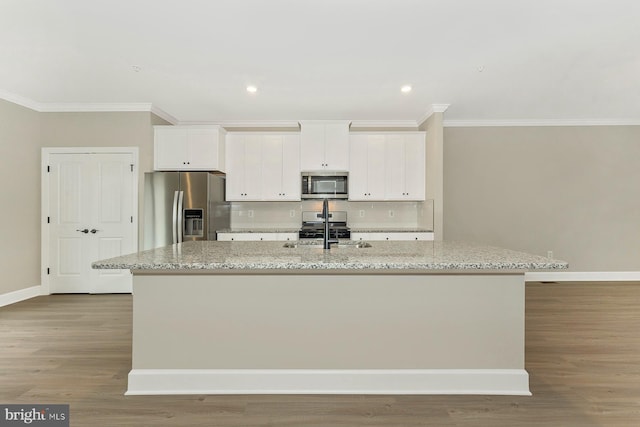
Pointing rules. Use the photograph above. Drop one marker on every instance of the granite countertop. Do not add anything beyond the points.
(390, 230)
(259, 230)
(385, 255)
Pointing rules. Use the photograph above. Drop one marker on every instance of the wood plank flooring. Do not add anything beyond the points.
(582, 353)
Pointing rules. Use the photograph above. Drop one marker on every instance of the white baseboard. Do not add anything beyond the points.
(582, 276)
(313, 381)
(19, 295)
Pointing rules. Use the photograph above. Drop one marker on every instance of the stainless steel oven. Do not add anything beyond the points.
(325, 185)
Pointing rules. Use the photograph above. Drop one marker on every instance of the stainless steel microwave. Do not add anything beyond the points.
(325, 185)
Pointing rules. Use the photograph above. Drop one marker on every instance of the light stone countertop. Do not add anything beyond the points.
(259, 230)
(390, 230)
(403, 256)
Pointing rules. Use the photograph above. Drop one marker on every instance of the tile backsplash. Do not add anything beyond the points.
(376, 215)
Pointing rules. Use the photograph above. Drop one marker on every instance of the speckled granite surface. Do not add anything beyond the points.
(390, 230)
(386, 255)
(259, 230)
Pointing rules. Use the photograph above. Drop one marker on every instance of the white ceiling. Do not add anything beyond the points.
(493, 60)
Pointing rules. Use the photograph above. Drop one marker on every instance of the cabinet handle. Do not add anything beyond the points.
(84, 230)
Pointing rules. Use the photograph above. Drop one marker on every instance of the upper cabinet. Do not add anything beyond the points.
(387, 166)
(405, 170)
(189, 148)
(367, 166)
(263, 166)
(324, 145)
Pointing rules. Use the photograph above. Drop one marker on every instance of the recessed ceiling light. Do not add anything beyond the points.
(405, 88)
(252, 89)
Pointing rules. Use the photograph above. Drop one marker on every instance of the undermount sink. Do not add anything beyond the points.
(318, 244)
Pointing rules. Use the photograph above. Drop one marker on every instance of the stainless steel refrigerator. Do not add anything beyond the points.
(183, 206)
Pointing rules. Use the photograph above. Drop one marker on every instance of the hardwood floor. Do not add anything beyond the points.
(582, 350)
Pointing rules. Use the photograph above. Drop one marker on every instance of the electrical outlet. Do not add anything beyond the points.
(549, 254)
(292, 213)
(361, 213)
(250, 213)
(391, 214)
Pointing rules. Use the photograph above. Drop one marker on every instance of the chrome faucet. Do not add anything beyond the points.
(325, 216)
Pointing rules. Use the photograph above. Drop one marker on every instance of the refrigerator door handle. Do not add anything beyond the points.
(174, 221)
(180, 219)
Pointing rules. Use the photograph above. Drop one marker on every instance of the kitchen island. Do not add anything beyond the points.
(418, 317)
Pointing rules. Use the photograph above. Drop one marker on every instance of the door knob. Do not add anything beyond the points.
(84, 230)
(94, 231)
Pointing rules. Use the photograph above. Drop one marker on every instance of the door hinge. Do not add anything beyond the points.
(131, 167)
(48, 270)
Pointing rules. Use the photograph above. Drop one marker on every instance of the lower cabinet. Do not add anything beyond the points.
(402, 235)
(256, 237)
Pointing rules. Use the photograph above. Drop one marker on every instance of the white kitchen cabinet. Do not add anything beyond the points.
(256, 237)
(366, 167)
(324, 145)
(189, 148)
(405, 171)
(244, 167)
(263, 166)
(281, 167)
(392, 235)
(387, 166)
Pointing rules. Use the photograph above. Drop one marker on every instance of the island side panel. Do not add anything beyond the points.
(441, 321)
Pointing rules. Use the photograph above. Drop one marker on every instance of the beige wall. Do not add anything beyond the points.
(23, 133)
(571, 190)
(434, 173)
(20, 213)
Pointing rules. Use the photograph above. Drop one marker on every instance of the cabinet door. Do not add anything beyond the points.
(244, 167)
(252, 168)
(395, 167)
(312, 147)
(291, 179)
(202, 149)
(170, 149)
(280, 167)
(376, 167)
(366, 167)
(358, 170)
(414, 167)
(336, 146)
(272, 167)
(235, 167)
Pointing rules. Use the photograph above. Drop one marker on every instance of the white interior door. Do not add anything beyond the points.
(90, 216)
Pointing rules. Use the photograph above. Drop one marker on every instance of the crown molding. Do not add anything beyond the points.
(522, 123)
(383, 124)
(79, 107)
(434, 108)
(246, 123)
(20, 100)
(163, 115)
